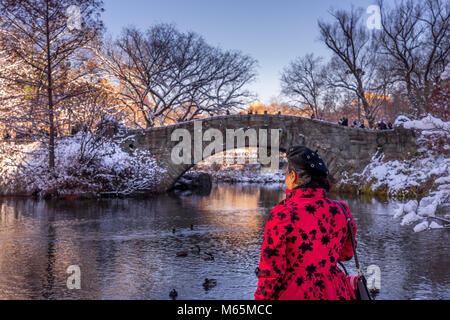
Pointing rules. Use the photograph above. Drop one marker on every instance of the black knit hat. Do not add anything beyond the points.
(307, 159)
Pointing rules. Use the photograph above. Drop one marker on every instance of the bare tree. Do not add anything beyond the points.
(166, 75)
(415, 39)
(37, 35)
(356, 65)
(304, 81)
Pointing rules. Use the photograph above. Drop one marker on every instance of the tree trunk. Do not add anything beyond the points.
(51, 144)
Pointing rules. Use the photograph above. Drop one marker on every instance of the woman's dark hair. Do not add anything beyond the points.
(297, 162)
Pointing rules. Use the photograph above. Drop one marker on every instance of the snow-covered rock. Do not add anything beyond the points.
(435, 225)
(421, 226)
(399, 212)
(410, 218)
(411, 206)
(428, 206)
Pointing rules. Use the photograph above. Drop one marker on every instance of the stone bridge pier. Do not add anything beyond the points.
(344, 149)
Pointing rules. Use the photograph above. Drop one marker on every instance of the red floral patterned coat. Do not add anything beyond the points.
(305, 236)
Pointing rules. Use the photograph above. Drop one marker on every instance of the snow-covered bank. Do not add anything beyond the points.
(423, 177)
(423, 174)
(239, 166)
(246, 176)
(84, 164)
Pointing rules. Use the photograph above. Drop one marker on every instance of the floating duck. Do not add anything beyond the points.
(174, 230)
(208, 257)
(209, 283)
(192, 227)
(196, 249)
(173, 294)
(182, 254)
(185, 253)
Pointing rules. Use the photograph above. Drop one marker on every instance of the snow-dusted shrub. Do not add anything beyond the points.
(84, 163)
(435, 133)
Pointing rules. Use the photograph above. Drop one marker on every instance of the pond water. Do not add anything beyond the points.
(126, 248)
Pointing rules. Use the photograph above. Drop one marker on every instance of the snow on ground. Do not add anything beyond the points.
(246, 176)
(428, 123)
(446, 74)
(432, 129)
(84, 163)
(428, 167)
(239, 166)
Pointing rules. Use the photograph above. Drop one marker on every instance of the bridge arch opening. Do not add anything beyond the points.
(239, 165)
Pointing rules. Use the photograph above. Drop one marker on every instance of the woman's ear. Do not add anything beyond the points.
(294, 177)
(290, 179)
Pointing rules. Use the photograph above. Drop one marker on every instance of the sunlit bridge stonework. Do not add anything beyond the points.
(342, 148)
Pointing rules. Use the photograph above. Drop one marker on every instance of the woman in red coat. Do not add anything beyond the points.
(305, 237)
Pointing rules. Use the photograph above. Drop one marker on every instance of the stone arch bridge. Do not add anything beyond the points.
(344, 149)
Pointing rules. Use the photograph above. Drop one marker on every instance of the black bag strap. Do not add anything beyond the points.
(350, 228)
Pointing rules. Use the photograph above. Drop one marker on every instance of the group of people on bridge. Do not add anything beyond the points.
(380, 125)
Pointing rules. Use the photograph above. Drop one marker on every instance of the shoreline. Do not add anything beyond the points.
(352, 190)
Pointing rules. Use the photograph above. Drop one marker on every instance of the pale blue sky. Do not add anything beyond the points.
(273, 32)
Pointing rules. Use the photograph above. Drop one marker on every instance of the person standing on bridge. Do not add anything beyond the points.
(305, 237)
